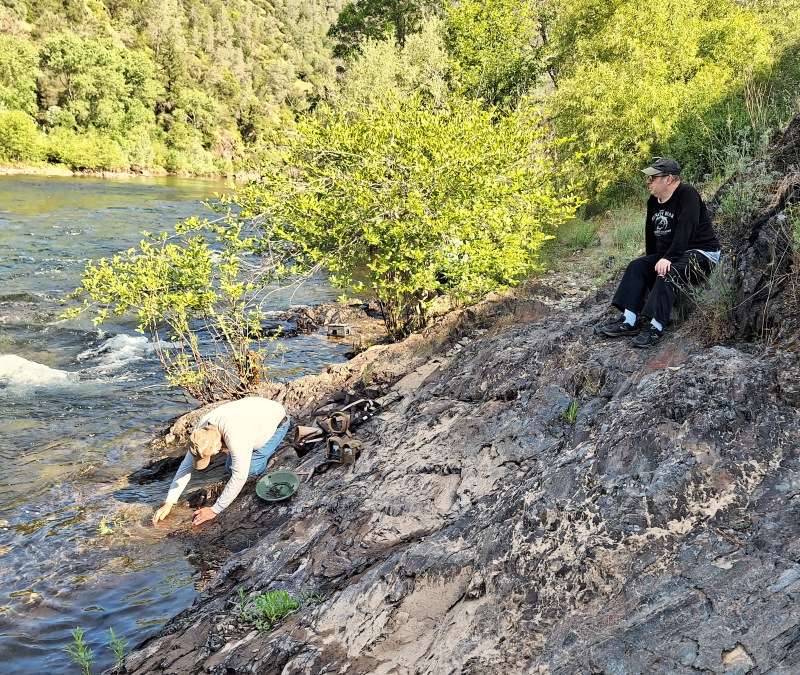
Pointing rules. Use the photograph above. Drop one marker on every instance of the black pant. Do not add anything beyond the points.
(640, 277)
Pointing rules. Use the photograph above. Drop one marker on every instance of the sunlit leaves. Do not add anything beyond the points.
(203, 280)
(417, 200)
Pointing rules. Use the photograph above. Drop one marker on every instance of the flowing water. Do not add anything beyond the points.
(77, 407)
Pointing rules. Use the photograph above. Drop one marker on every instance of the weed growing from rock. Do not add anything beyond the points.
(80, 652)
(741, 202)
(117, 645)
(265, 610)
(571, 413)
(713, 302)
(312, 597)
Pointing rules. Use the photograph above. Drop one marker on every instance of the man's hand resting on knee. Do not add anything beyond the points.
(662, 267)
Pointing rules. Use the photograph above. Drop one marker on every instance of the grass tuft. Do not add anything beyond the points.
(570, 415)
(578, 234)
(713, 302)
(265, 610)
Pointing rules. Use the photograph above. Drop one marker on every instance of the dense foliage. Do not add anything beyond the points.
(178, 85)
(704, 80)
(411, 202)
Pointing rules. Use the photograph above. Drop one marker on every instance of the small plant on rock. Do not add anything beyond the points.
(741, 202)
(571, 413)
(713, 301)
(265, 610)
(312, 597)
(80, 652)
(117, 645)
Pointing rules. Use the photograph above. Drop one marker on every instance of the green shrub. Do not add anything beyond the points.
(740, 203)
(87, 151)
(141, 151)
(187, 284)
(265, 610)
(413, 201)
(20, 140)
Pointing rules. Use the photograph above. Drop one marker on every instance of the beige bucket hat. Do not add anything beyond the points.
(204, 444)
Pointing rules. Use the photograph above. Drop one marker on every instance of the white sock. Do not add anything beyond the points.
(630, 317)
(656, 324)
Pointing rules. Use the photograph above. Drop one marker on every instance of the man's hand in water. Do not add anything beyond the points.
(162, 513)
(202, 515)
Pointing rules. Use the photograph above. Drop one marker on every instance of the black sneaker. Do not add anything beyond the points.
(649, 337)
(616, 328)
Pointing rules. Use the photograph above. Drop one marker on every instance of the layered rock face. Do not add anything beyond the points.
(532, 498)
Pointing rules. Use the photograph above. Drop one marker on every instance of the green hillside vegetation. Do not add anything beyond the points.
(176, 85)
(456, 138)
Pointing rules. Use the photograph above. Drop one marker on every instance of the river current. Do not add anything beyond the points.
(77, 407)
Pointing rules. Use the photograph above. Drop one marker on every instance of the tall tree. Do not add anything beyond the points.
(377, 19)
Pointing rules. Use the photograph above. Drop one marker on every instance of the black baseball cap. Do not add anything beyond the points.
(662, 165)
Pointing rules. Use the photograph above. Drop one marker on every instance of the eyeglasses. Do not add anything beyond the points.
(650, 179)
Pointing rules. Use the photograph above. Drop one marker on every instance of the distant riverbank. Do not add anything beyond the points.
(60, 170)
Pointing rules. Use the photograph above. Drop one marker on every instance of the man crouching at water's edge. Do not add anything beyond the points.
(248, 431)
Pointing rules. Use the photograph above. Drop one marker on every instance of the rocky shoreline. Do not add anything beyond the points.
(533, 498)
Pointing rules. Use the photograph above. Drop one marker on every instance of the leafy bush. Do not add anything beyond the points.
(202, 282)
(88, 151)
(414, 201)
(20, 140)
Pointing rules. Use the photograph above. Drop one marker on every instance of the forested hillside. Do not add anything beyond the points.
(182, 85)
(209, 87)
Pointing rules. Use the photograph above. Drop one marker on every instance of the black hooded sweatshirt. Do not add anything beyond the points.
(678, 225)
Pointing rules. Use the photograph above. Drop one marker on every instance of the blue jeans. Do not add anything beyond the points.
(258, 462)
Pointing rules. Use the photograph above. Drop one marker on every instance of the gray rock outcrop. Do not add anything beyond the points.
(532, 499)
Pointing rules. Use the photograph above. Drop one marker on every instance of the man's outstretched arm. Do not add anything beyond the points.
(182, 477)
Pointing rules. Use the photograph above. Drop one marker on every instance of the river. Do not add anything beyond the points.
(77, 407)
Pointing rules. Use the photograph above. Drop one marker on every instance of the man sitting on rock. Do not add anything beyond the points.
(248, 430)
(680, 248)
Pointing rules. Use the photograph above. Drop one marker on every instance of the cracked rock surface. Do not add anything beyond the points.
(483, 532)
(488, 529)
